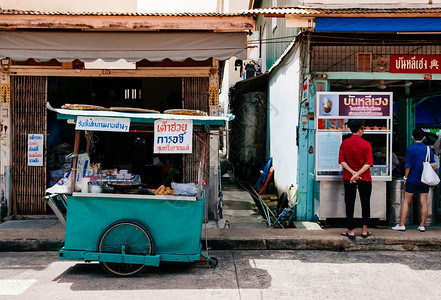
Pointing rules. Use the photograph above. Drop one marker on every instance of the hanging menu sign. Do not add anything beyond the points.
(415, 63)
(173, 136)
(103, 124)
(35, 150)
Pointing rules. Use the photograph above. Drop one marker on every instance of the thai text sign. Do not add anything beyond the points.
(356, 104)
(103, 124)
(415, 63)
(368, 105)
(173, 136)
(35, 150)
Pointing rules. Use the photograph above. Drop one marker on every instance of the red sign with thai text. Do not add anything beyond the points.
(415, 63)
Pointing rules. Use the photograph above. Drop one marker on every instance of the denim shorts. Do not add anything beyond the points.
(416, 188)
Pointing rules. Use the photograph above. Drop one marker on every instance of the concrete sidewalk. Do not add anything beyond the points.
(242, 228)
(48, 235)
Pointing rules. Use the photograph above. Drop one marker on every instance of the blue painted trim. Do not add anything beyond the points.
(377, 24)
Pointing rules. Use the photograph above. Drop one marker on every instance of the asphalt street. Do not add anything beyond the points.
(239, 275)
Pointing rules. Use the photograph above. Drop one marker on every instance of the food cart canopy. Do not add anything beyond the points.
(143, 118)
(130, 46)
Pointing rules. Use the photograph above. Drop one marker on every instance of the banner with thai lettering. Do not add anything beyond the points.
(103, 124)
(356, 104)
(366, 105)
(35, 150)
(173, 136)
(415, 63)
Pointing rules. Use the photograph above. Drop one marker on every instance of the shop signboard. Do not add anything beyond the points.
(35, 150)
(354, 104)
(173, 136)
(334, 111)
(103, 124)
(415, 64)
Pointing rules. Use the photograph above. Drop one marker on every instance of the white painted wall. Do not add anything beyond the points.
(230, 76)
(177, 6)
(283, 116)
(71, 6)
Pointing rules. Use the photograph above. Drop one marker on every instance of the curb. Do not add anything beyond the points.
(30, 245)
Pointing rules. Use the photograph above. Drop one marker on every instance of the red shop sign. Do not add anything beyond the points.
(415, 63)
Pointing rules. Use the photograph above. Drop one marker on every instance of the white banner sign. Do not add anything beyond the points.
(328, 145)
(173, 136)
(35, 150)
(103, 124)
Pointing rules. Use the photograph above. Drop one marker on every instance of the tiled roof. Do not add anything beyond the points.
(340, 11)
(184, 14)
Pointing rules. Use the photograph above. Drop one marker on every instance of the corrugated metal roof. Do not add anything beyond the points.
(183, 14)
(339, 11)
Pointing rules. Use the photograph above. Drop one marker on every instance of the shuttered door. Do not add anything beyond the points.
(29, 116)
(195, 96)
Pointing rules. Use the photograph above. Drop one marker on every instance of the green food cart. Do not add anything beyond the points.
(127, 232)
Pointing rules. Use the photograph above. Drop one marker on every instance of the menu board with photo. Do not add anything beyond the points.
(334, 112)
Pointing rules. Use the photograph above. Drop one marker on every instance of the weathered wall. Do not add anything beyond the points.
(5, 139)
(283, 115)
(275, 35)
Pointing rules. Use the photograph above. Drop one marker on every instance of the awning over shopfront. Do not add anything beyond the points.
(66, 114)
(130, 46)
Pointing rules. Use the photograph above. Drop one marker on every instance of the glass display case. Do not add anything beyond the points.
(333, 113)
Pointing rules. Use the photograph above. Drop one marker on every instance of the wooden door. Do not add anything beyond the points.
(29, 116)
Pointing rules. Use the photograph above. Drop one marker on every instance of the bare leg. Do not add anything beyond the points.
(364, 230)
(405, 207)
(424, 209)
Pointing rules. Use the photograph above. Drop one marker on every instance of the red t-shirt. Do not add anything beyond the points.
(356, 152)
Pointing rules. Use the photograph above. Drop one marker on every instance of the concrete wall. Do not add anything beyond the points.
(283, 111)
(177, 6)
(71, 6)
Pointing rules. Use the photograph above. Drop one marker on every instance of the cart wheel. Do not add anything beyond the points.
(212, 262)
(131, 236)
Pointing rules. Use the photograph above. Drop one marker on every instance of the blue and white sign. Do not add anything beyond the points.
(35, 150)
(103, 124)
(173, 136)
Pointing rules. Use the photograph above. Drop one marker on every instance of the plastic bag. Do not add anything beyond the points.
(429, 176)
(185, 189)
(63, 186)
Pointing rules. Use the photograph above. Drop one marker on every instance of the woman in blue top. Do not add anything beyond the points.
(415, 156)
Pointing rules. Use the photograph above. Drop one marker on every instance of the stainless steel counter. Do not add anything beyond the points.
(329, 201)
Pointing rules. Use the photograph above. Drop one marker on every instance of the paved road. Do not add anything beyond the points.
(240, 275)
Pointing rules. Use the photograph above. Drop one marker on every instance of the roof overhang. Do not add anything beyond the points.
(91, 36)
(126, 22)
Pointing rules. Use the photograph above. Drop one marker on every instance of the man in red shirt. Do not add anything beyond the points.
(356, 158)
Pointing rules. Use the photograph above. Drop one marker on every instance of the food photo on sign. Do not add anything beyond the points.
(328, 105)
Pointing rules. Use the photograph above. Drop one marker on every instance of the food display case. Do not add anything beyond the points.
(333, 113)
